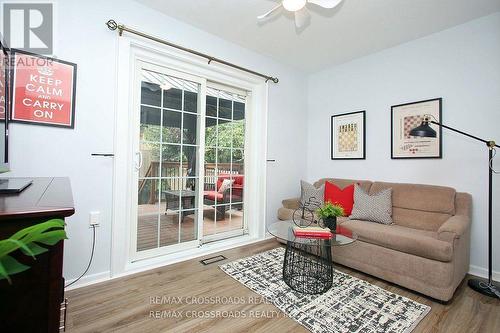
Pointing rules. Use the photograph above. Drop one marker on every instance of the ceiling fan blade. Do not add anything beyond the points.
(325, 3)
(265, 15)
(302, 17)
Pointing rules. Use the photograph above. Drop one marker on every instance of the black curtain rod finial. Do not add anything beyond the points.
(112, 25)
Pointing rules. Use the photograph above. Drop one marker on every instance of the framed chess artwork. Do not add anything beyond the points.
(348, 136)
(404, 118)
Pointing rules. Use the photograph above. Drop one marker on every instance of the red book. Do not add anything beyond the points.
(312, 232)
(315, 236)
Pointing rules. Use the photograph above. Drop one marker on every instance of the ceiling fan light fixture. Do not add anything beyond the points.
(294, 5)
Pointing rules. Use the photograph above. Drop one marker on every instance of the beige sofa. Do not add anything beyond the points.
(426, 249)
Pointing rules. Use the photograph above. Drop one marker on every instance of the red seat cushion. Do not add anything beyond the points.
(343, 197)
(238, 179)
(211, 195)
(237, 193)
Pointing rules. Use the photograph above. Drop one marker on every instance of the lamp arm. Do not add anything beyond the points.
(489, 143)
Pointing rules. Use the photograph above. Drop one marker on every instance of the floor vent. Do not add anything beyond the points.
(211, 260)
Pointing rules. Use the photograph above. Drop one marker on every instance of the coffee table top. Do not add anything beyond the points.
(284, 230)
(182, 193)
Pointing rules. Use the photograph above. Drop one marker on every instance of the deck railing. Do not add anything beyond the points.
(174, 176)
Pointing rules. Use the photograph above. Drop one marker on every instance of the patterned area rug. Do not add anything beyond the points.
(351, 305)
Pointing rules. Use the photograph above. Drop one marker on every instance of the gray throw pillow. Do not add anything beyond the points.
(375, 208)
(308, 192)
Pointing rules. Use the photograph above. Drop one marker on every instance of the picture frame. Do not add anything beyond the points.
(348, 136)
(43, 90)
(405, 117)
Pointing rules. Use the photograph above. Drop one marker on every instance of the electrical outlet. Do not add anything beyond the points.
(94, 219)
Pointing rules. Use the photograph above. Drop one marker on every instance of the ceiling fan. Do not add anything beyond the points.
(299, 8)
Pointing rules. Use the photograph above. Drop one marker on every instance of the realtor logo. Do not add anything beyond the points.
(29, 26)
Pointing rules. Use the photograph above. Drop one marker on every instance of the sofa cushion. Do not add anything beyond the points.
(418, 219)
(341, 196)
(429, 198)
(292, 203)
(376, 207)
(342, 183)
(311, 194)
(412, 241)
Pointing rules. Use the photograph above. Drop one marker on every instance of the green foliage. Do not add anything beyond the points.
(225, 135)
(222, 136)
(329, 210)
(29, 241)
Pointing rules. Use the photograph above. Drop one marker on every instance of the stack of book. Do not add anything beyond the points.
(312, 232)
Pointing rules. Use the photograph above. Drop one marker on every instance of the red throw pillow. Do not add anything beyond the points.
(343, 197)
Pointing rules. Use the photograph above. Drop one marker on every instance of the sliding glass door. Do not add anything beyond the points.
(168, 150)
(189, 161)
(224, 166)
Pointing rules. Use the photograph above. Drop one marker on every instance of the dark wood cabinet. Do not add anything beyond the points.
(32, 302)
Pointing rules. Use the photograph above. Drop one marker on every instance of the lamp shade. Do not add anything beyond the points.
(423, 130)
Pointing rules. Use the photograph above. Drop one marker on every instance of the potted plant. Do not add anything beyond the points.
(31, 241)
(329, 213)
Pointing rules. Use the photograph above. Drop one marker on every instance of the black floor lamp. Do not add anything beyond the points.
(425, 130)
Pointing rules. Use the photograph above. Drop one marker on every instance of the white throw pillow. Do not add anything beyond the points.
(375, 208)
(308, 191)
(226, 184)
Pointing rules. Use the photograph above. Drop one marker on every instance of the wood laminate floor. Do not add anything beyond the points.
(130, 304)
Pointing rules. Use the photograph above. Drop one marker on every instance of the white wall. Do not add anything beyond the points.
(461, 65)
(82, 38)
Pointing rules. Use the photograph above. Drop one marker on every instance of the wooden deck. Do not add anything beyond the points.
(170, 233)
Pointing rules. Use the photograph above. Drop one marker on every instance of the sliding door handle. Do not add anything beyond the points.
(138, 165)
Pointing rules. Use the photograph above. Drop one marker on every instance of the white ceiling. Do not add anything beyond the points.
(353, 29)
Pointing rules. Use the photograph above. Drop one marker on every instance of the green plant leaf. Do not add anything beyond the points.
(37, 229)
(51, 237)
(3, 273)
(48, 233)
(36, 249)
(12, 266)
(7, 247)
(24, 248)
(329, 210)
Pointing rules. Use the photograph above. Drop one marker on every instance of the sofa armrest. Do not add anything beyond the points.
(292, 203)
(454, 227)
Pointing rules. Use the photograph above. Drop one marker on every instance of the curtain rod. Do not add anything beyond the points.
(112, 25)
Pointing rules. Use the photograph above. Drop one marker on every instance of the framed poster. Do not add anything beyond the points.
(404, 118)
(348, 136)
(44, 90)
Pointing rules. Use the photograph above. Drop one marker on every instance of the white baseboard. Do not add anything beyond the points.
(105, 276)
(483, 272)
(87, 280)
